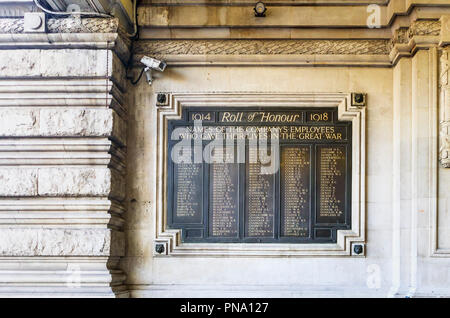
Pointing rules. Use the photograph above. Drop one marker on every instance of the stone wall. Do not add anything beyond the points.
(81, 180)
(398, 66)
(62, 160)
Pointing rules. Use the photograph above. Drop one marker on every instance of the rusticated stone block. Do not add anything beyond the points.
(18, 122)
(57, 242)
(54, 63)
(76, 122)
(18, 182)
(19, 63)
(66, 122)
(74, 181)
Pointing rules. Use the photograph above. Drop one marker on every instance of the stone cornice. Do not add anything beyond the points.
(325, 14)
(65, 25)
(272, 2)
(75, 32)
(425, 27)
(266, 52)
(263, 47)
(421, 34)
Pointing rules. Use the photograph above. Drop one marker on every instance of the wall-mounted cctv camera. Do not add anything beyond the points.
(152, 64)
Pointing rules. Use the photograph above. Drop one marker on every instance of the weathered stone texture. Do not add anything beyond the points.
(17, 63)
(65, 25)
(118, 188)
(54, 242)
(18, 122)
(54, 63)
(65, 181)
(57, 122)
(119, 130)
(117, 243)
(18, 182)
(261, 47)
(53, 93)
(74, 182)
(76, 122)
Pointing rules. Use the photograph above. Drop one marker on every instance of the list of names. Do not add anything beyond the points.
(295, 192)
(331, 180)
(224, 200)
(188, 189)
(260, 200)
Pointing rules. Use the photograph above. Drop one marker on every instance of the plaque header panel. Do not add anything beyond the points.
(259, 175)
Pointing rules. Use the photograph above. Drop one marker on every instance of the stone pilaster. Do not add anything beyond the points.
(62, 158)
(444, 117)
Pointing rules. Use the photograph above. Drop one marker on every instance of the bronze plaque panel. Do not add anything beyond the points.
(295, 190)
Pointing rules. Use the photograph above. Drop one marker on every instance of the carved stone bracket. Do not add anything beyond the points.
(425, 27)
(421, 34)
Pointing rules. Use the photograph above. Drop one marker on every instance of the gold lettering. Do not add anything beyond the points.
(226, 116)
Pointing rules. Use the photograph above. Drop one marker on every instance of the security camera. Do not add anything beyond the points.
(154, 64)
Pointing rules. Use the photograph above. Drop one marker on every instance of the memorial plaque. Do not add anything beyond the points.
(287, 178)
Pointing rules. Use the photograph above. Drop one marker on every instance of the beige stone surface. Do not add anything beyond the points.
(377, 83)
(65, 105)
(54, 242)
(310, 13)
(18, 182)
(53, 63)
(74, 182)
(62, 131)
(62, 122)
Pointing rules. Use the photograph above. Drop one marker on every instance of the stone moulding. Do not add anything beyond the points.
(75, 32)
(59, 242)
(65, 25)
(266, 52)
(444, 150)
(263, 47)
(425, 27)
(444, 120)
(421, 34)
(171, 239)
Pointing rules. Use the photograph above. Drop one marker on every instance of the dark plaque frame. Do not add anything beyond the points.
(318, 232)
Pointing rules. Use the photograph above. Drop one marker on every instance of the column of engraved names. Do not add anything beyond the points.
(260, 199)
(295, 192)
(331, 182)
(224, 200)
(188, 189)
